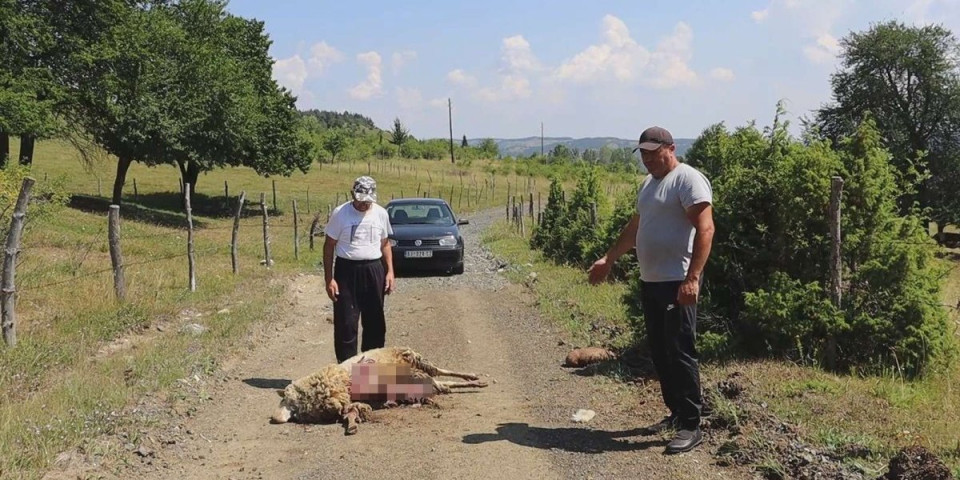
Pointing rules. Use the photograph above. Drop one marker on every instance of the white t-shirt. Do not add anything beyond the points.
(665, 236)
(359, 235)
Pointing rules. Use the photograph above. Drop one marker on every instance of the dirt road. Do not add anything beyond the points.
(518, 427)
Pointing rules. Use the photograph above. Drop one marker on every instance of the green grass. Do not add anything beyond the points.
(61, 384)
(563, 293)
(832, 411)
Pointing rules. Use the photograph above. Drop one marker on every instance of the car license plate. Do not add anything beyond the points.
(418, 253)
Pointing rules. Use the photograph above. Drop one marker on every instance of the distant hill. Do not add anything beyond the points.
(529, 145)
(330, 119)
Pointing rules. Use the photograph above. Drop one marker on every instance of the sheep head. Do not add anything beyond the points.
(288, 405)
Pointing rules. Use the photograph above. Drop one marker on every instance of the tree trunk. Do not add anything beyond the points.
(26, 149)
(4, 148)
(191, 174)
(122, 166)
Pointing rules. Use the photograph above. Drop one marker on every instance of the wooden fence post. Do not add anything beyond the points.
(296, 231)
(520, 217)
(266, 231)
(236, 231)
(275, 209)
(8, 316)
(836, 265)
(136, 194)
(191, 260)
(314, 225)
(226, 190)
(116, 256)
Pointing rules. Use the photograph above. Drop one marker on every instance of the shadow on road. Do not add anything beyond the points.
(271, 383)
(579, 440)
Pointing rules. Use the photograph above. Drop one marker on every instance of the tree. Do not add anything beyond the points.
(187, 84)
(463, 143)
(489, 148)
(40, 38)
(334, 142)
(908, 78)
(766, 289)
(241, 116)
(350, 121)
(121, 93)
(398, 135)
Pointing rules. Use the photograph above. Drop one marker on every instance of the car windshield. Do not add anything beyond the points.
(420, 214)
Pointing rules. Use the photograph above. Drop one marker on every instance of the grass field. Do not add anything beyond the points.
(881, 413)
(71, 371)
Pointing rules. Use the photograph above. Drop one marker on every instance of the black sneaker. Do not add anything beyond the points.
(684, 441)
(668, 423)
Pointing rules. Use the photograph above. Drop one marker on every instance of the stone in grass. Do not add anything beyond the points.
(193, 329)
(583, 416)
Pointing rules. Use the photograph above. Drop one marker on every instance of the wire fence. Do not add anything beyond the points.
(84, 260)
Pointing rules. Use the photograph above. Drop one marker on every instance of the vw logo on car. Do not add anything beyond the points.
(418, 242)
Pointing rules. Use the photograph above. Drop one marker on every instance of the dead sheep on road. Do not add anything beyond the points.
(325, 395)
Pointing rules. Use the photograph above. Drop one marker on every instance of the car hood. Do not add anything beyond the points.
(423, 231)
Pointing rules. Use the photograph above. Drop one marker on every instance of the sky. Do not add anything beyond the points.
(582, 69)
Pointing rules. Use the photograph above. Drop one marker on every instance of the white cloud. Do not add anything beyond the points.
(409, 98)
(517, 62)
(322, 56)
(825, 50)
(517, 55)
(760, 15)
(619, 57)
(401, 59)
(512, 87)
(438, 102)
(372, 86)
(460, 78)
(722, 74)
(291, 73)
(812, 20)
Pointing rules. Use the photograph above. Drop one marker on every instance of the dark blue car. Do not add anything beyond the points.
(426, 235)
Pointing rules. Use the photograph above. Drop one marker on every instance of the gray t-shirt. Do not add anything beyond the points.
(665, 236)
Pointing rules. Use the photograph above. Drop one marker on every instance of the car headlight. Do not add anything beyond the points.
(393, 243)
(448, 241)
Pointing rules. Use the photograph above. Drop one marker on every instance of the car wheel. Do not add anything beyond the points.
(457, 270)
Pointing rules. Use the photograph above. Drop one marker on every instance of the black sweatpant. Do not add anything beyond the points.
(671, 333)
(361, 284)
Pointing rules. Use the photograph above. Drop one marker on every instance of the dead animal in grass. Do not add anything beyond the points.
(350, 390)
(581, 357)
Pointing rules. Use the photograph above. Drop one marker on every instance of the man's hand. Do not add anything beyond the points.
(391, 284)
(599, 270)
(689, 292)
(333, 290)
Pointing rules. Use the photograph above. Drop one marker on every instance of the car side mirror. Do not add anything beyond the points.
(463, 221)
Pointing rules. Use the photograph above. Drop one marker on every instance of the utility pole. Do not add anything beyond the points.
(541, 139)
(450, 114)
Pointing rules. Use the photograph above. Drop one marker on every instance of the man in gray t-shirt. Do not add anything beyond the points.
(672, 232)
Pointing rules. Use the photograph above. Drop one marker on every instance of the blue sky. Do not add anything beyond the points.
(600, 68)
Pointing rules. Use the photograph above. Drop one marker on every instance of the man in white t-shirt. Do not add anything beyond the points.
(363, 270)
(672, 232)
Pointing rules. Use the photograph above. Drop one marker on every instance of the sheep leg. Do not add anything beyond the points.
(470, 384)
(354, 414)
(435, 371)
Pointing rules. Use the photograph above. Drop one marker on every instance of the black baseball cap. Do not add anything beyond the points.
(653, 138)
